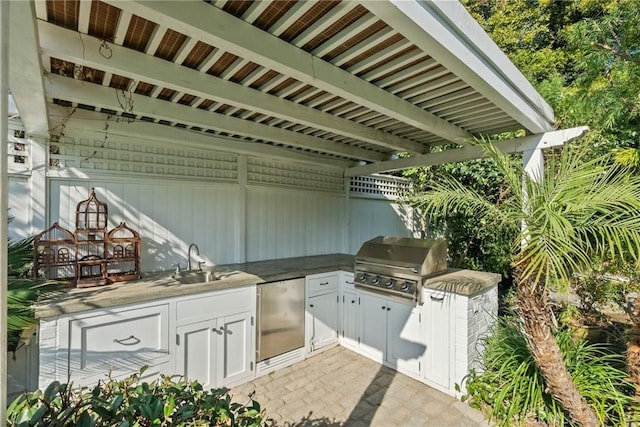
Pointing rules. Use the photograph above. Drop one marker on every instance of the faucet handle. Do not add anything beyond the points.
(200, 264)
(177, 266)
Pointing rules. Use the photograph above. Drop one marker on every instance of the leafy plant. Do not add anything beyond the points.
(582, 207)
(512, 389)
(23, 292)
(131, 402)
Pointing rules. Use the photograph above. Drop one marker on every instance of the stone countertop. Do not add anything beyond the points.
(463, 282)
(160, 285)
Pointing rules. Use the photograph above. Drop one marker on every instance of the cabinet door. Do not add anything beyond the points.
(404, 340)
(324, 320)
(373, 326)
(436, 321)
(350, 319)
(196, 352)
(235, 356)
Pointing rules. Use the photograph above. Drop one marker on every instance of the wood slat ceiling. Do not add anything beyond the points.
(389, 62)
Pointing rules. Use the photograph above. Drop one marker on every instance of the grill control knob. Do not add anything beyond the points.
(388, 283)
(405, 286)
(376, 280)
(362, 277)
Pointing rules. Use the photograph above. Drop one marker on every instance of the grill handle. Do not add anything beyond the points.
(414, 270)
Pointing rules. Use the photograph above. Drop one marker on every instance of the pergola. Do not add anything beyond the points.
(345, 83)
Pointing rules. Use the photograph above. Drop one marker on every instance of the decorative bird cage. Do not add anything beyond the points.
(91, 233)
(55, 254)
(90, 256)
(123, 254)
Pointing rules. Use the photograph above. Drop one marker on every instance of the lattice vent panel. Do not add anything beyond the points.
(129, 158)
(379, 187)
(275, 173)
(19, 149)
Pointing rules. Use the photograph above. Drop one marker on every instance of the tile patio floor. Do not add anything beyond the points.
(341, 388)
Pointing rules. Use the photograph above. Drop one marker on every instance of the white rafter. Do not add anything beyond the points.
(185, 50)
(346, 34)
(363, 46)
(211, 59)
(256, 9)
(433, 85)
(102, 97)
(328, 19)
(156, 38)
(234, 68)
(41, 9)
(516, 145)
(253, 76)
(83, 16)
(122, 27)
(383, 55)
(244, 40)
(292, 15)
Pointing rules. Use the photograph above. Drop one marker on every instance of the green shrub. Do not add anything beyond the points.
(131, 402)
(512, 390)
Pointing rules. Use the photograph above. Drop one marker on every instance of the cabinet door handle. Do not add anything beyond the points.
(311, 305)
(384, 308)
(324, 283)
(353, 301)
(349, 283)
(437, 298)
(388, 308)
(130, 340)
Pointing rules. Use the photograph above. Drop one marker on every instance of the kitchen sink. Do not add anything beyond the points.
(190, 277)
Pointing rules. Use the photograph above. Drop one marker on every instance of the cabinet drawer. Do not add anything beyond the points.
(218, 303)
(319, 284)
(120, 341)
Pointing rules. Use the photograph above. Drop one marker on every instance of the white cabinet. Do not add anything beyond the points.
(321, 310)
(217, 349)
(216, 352)
(119, 340)
(349, 325)
(437, 311)
(390, 332)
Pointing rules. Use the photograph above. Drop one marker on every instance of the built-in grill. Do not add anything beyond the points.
(399, 265)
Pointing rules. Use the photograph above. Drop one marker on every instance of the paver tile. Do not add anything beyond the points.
(341, 388)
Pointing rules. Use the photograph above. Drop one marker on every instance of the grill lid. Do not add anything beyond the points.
(420, 256)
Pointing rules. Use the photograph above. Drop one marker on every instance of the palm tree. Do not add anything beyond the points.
(582, 207)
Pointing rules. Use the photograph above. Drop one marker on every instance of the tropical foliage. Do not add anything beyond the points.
(580, 208)
(132, 402)
(513, 390)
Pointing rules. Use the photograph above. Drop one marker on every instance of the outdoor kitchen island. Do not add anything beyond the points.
(207, 331)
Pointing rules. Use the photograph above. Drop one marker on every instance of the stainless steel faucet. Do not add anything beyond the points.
(191, 246)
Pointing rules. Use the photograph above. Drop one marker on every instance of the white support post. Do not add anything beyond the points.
(242, 221)
(39, 197)
(534, 163)
(4, 201)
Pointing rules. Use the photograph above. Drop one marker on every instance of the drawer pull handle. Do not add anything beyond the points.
(349, 283)
(436, 298)
(324, 283)
(130, 340)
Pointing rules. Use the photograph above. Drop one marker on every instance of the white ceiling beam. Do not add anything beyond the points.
(256, 9)
(164, 74)
(346, 33)
(419, 80)
(41, 9)
(384, 54)
(233, 68)
(290, 17)
(211, 59)
(156, 38)
(451, 36)
(106, 80)
(86, 121)
(442, 90)
(102, 97)
(247, 41)
(84, 14)
(25, 69)
(220, 3)
(185, 50)
(394, 78)
(327, 20)
(253, 76)
(469, 152)
(122, 27)
(433, 85)
(363, 46)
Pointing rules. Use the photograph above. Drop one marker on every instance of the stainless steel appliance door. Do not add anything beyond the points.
(280, 318)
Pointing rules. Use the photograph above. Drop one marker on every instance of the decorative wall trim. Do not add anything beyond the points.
(283, 174)
(379, 187)
(18, 149)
